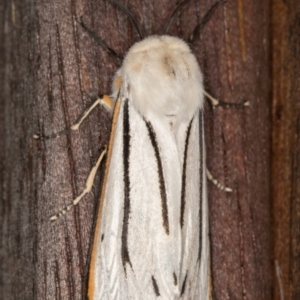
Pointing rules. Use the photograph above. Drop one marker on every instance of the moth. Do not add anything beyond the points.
(151, 238)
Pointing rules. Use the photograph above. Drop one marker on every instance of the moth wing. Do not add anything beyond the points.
(133, 255)
(195, 231)
(98, 284)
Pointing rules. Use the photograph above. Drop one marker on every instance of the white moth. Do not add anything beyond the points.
(151, 238)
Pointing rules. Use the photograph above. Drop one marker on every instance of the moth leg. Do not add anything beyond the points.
(88, 187)
(215, 102)
(104, 101)
(216, 182)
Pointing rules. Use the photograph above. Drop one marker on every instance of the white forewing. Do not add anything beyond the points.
(195, 258)
(152, 236)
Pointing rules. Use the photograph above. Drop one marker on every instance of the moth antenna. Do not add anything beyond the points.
(101, 42)
(205, 19)
(174, 14)
(130, 16)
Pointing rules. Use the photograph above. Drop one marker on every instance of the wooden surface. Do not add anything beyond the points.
(51, 71)
(286, 148)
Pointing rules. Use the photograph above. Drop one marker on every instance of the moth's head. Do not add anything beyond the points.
(161, 76)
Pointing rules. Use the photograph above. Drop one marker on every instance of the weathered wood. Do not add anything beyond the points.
(237, 69)
(52, 70)
(286, 148)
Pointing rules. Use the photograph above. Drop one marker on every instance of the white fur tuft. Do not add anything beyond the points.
(162, 77)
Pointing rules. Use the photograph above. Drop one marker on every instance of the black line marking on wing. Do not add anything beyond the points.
(183, 181)
(126, 160)
(162, 186)
(183, 285)
(155, 286)
(175, 278)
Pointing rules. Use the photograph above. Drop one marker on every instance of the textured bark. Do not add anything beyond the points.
(52, 70)
(237, 68)
(286, 148)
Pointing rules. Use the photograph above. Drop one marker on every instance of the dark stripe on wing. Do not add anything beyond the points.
(175, 278)
(183, 181)
(126, 177)
(183, 285)
(162, 186)
(155, 287)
